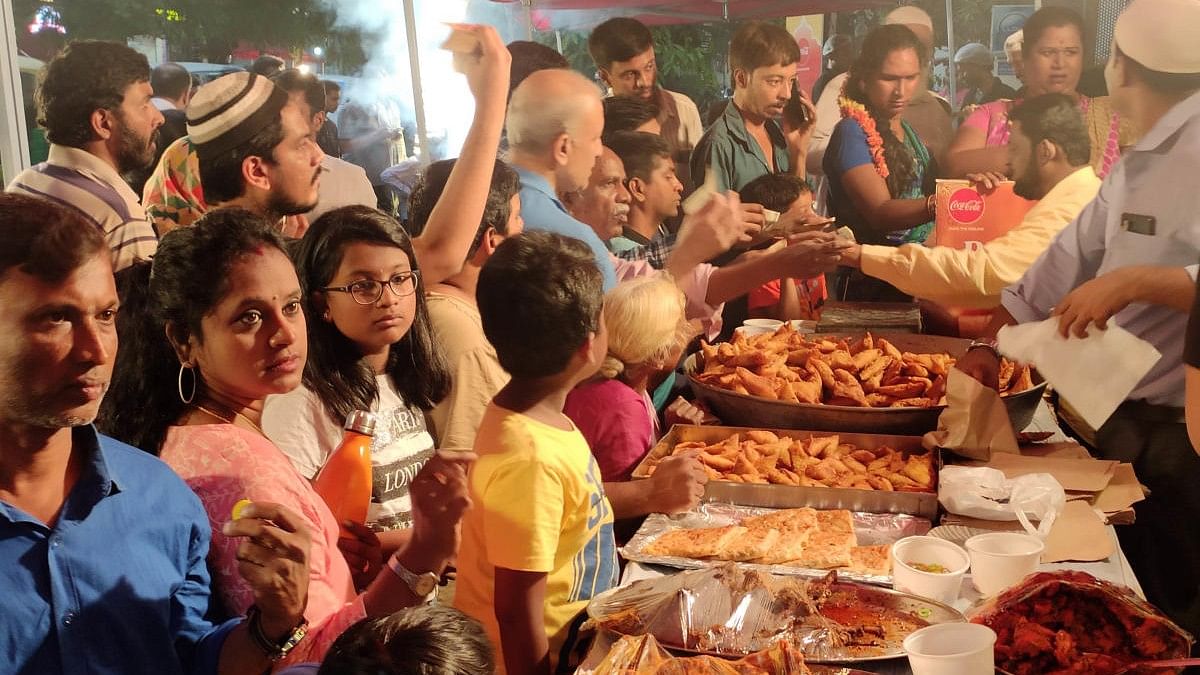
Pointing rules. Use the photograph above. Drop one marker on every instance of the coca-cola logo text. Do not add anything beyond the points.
(966, 206)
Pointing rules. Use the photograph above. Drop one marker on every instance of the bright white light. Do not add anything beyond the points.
(318, 52)
(305, 68)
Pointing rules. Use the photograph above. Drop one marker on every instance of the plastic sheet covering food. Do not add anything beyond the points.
(870, 529)
(732, 610)
(1067, 622)
(644, 656)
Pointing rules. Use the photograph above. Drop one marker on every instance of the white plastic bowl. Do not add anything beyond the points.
(1001, 559)
(943, 587)
(952, 649)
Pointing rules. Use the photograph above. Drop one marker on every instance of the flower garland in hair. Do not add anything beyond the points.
(858, 112)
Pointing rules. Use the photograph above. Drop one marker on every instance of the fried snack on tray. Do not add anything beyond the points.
(643, 655)
(801, 537)
(1067, 623)
(870, 373)
(818, 461)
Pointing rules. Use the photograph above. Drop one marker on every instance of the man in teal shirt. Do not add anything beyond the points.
(746, 141)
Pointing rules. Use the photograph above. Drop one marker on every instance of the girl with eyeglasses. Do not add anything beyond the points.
(370, 348)
(209, 329)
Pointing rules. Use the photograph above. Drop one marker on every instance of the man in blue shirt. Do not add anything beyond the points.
(555, 120)
(102, 546)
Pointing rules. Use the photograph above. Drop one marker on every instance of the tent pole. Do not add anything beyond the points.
(14, 148)
(950, 46)
(414, 65)
(529, 20)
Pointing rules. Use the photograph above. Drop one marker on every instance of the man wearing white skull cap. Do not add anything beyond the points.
(1131, 258)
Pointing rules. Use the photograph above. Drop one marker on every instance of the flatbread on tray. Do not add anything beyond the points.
(826, 550)
(871, 559)
(697, 543)
(753, 543)
(802, 537)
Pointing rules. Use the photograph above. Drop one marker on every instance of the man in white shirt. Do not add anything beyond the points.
(623, 51)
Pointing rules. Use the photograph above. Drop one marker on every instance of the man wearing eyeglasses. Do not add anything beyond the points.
(623, 51)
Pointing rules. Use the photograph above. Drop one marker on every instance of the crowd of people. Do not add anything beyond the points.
(166, 355)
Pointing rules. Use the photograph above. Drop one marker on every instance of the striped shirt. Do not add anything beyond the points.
(81, 180)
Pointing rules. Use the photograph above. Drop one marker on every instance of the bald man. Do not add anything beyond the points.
(555, 119)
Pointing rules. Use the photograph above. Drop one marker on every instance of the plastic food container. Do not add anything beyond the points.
(943, 587)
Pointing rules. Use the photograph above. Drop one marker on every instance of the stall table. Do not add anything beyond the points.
(1115, 569)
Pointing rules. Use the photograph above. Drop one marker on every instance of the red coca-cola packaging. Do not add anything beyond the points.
(967, 218)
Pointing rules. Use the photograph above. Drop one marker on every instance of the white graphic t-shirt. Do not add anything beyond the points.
(300, 425)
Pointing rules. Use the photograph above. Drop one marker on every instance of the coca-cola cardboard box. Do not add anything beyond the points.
(968, 219)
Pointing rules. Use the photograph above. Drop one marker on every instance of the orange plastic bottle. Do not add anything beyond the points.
(345, 481)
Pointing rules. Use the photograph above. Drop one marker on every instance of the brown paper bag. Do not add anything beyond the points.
(1075, 475)
(1121, 493)
(975, 423)
(1078, 534)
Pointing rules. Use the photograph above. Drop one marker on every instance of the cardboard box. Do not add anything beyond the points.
(968, 219)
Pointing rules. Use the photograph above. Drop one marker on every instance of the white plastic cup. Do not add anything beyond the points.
(803, 326)
(940, 587)
(1001, 559)
(952, 649)
(770, 324)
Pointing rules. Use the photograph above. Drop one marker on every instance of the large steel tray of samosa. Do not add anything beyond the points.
(782, 468)
(801, 542)
(733, 610)
(893, 383)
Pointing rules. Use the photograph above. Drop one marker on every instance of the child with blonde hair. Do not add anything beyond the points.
(647, 332)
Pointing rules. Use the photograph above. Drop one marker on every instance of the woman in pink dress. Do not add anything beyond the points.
(1053, 61)
(208, 331)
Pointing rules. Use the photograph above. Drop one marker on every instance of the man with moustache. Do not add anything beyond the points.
(1049, 154)
(1129, 259)
(257, 149)
(603, 204)
(102, 546)
(747, 141)
(94, 101)
(623, 51)
(249, 146)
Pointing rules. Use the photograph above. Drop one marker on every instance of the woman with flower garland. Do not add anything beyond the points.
(880, 172)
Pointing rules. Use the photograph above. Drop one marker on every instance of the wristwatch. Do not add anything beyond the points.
(274, 650)
(423, 586)
(988, 344)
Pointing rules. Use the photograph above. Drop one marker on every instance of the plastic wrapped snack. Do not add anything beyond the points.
(1063, 623)
(644, 656)
(734, 611)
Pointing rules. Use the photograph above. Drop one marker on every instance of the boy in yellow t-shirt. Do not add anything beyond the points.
(537, 543)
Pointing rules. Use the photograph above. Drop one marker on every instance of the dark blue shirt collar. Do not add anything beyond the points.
(97, 480)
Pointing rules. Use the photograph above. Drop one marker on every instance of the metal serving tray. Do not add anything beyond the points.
(924, 504)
